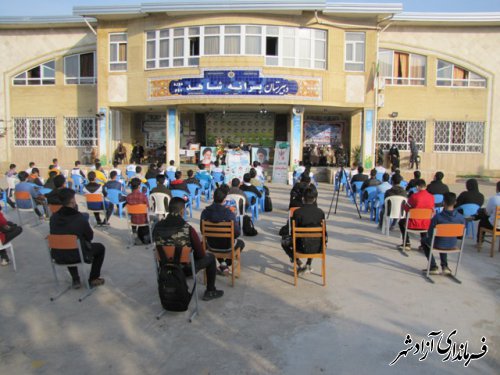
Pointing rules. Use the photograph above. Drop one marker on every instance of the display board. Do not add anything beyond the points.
(261, 154)
(237, 164)
(207, 155)
(322, 132)
(281, 162)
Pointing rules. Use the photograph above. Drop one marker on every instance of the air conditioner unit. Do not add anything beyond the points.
(380, 100)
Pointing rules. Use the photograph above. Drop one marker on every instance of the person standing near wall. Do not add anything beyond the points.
(413, 152)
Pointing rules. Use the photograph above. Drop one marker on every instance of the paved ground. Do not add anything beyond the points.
(264, 325)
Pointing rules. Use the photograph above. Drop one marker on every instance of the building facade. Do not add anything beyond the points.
(363, 75)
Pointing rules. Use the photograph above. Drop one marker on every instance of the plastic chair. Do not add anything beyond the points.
(379, 176)
(438, 202)
(495, 233)
(170, 176)
(11, 185)
(152, 183)
(166, 255)
(145, 189)
(8, 246)
(130, 174)
(357, 190)
(447, 230)
(195, 194)
(157, 204)
(23, 198)
(67, 242)
(254, 207)
(78, 183)
(3, 198)
(469, 210)
(262, 199)
(396, 212)
(416, 214)
(239, 201)
(96, 204)
(372, 195)
(217, 177)
(403, 184)
(182, 194)
(315, 232)
(137, 209)
(206, 185)
(222, 230)
(113, 196)
(377, 206)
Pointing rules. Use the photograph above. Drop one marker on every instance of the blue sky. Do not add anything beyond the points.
(64, 7)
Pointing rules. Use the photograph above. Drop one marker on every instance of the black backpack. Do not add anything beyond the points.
(248, 228)
(268, 204)
(172, 285)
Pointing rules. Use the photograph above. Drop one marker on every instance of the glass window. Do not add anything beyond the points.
(118, 52)
(402, 68)
(80, 131)
(34, 131)
(449, 74)
(80, 69)
(397, 132)
(43, 74)
(354, 51)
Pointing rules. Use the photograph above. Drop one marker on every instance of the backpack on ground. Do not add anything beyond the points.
(248, 228)
(268, 204)
(172, 285)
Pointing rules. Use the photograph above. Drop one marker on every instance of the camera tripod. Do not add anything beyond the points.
(348, 187)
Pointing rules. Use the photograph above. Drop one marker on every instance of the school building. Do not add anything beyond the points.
(181, 72)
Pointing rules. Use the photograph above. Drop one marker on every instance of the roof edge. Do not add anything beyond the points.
(238, 5)
(363, 8)
(448, 17)
(43, 20)
(106, 10)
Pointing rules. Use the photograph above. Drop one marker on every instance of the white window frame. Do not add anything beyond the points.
(118, 43)
(80, 141)
(469, 147)
(31, 141)
(467, 82)
(40, 80)
(392, 81)
(402, 146)
(313, 62)
(354, 43)
(79, 78)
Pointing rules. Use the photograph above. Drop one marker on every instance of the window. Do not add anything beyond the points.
(458, 136)
(397, 132)
(281, 46)
(401, 68)
(118, 52)
(449, 74)
(41, 75)
(80, 131)
(354, 52)
(34, 131)
(80, 69)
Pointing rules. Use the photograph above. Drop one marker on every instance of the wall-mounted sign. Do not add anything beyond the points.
(234, 83)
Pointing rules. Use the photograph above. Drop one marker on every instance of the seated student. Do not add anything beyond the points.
(297, 192)
(385, 185)
(171, 166)
(175, 231)
(31, 166)
(202, 170)
(35, 178)
(487, 216)
(152, 171)
(52, 170)
(8, 231)
(217, 168)
(395, 190)
(217, 212)
(447, 216)
(138, 174)
(161, 188)
(179, 183)
(309, 215)
(38, 197)
(113, 184)
(413, 182)
(260, 171)
(138, 197)
(94, 188)
(235, 189)
(100, 174)
(69, 221)
(131, 168)
(421, 199)
(299, 170)
(247, 186)
(161, 167)
(437, 186)
(471, 195)
(117, 169)
(372, 181)
(49, 184)
(55, 164)
(253, 178)
(358, 177)
(191, 179)
(380, 168)
(77, 170)
(53, 196)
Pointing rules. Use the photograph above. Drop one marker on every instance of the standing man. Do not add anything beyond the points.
(413, 152)
(69, 221)
(394, 156)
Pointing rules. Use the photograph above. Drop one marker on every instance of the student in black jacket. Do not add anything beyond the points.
(437, 186)
(472, 195)
(69, 221)
(247, 186)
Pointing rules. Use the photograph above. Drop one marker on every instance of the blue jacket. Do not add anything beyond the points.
(217, 213)
(444, 217)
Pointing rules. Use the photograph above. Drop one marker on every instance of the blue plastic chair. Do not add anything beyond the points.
(170, 176)
(4, 199)
(438, 200)
(413, 190)
(152, 183)
(182, 194)
(78, 183)
(217, 178)
(378, 206)
(469, 210)
(358, 185)
(206, 185)
(403, 184)
(113, 196)
(130, 174)
(379, 176)
(195, 192)
(262, 199)
(372, 195)
(45, 190)
(254, 207)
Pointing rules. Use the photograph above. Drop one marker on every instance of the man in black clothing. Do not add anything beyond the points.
(175, 231)
(394, 156)
(53, 196)
(247, 186)
(472, 195)
(191, 179)
(359, 177)
(137, 153)
(413, 152)
(179, 183)
(69, 221)
(309, 215)
(297, 192)
(372, 181)
(413, 182)
(437, 186)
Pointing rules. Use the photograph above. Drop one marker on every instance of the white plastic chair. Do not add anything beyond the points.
(237, 199)
(396, 212)
(8, 246)
(157, 204)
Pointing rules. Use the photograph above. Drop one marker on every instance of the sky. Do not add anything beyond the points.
(65, 7)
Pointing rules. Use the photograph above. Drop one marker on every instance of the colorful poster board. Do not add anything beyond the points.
(281, 162)
(237, 164)
(322, 132)
(261, 154)
(208, 155)
(368, 139)
(296, 138)
(171, 134)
